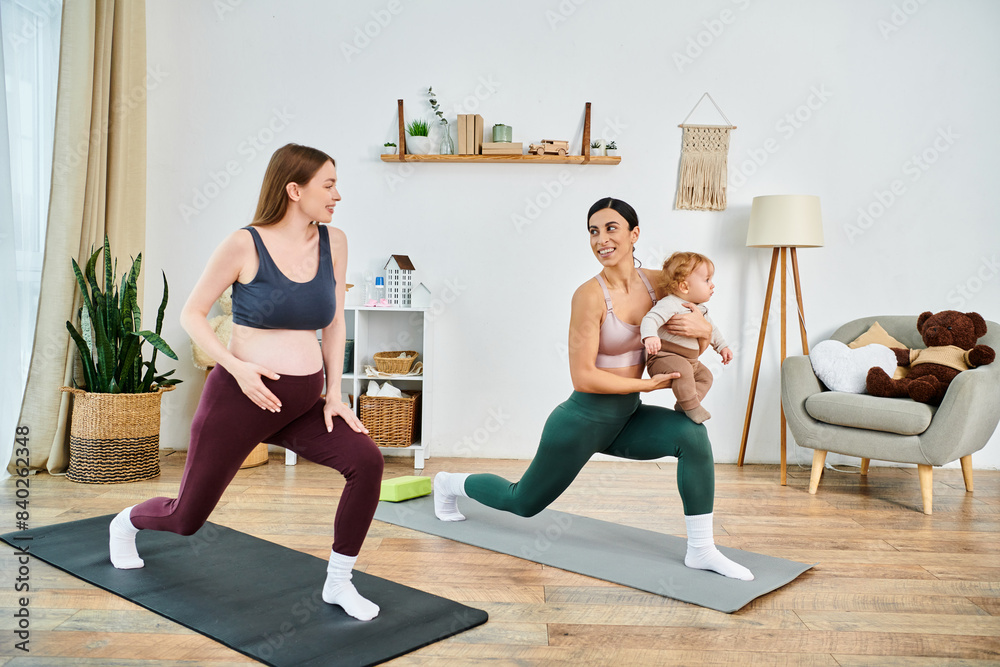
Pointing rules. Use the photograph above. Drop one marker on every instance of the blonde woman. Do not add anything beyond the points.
(287, 271)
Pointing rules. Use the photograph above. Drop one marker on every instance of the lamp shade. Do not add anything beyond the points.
(785, 221)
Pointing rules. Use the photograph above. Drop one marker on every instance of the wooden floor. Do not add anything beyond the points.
(892, 587)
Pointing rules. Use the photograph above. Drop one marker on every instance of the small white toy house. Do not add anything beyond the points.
(398, 280)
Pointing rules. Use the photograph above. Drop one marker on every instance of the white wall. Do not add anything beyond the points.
(836, 99)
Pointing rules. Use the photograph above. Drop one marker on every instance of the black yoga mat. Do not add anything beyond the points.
(642, 559)
(254, 596)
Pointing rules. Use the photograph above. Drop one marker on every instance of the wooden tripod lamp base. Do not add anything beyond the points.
(781, 222)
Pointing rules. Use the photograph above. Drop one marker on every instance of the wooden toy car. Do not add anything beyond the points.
(560, 148)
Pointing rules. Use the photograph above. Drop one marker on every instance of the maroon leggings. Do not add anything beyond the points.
(226, 428)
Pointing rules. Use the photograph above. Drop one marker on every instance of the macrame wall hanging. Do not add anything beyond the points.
(704, 164)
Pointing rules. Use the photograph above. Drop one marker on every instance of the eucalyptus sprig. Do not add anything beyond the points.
(432, 98)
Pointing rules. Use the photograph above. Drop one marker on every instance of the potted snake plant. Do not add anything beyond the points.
(115, 425)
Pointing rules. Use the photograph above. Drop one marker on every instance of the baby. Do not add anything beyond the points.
(688, 278)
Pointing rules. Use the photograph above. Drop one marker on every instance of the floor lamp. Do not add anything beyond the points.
(781, 222)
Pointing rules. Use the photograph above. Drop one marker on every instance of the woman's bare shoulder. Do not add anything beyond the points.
(589, 297)
(338, 239)
(236, 245)
(337, 234)
(233, 252)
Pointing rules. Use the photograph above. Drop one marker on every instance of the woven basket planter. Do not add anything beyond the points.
(114, 438)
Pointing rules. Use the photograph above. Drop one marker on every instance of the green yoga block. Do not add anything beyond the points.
(404, 488)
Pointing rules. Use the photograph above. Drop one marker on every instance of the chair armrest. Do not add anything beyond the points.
(798, 382)
(967, 417)
(798, 379)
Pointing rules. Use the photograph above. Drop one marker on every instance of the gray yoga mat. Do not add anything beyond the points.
(641, 559)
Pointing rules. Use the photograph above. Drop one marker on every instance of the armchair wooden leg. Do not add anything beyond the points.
(819, 460)
(926, 483)
(864, 466)
(967, 472)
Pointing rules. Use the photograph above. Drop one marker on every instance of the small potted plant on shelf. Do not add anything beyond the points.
(388, 148)
(611, 148)
(596, 148)
(418, 143)
(447, 145)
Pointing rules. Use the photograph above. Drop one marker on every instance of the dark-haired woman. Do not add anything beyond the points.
(287, 271)
(604, 414)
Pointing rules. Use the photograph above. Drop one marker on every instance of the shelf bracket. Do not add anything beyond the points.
(402, 134)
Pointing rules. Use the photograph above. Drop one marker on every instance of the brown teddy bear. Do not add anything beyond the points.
(950, 337)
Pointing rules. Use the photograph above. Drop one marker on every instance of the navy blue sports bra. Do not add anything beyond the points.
(273, 301)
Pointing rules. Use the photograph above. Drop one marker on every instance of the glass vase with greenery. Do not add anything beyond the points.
(447, 145)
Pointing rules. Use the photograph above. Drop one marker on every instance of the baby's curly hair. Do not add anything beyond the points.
(679, 266)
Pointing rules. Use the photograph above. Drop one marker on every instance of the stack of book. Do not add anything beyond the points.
(503, 148)
(470, 134)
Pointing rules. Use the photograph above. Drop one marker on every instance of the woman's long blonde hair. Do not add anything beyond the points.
(292, 163)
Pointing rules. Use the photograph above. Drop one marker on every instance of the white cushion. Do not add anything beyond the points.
(841, 368)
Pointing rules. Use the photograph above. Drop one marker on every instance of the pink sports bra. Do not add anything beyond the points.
(620, 344)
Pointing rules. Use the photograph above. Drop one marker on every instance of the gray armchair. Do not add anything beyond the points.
(893, 429)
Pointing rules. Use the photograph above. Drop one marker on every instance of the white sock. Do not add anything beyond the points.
(448, 487)
(702, 553)
(122, 542)
(339, 590)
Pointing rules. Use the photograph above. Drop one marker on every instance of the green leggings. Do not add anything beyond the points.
(613, 424)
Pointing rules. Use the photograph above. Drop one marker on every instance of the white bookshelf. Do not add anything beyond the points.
(381, 330)
(394, 328)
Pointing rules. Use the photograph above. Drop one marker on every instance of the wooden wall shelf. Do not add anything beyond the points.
(584, 158)
(545, 159)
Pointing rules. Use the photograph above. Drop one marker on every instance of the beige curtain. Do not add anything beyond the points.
(98, 187)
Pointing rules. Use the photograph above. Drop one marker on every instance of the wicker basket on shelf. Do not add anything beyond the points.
(391, 422)
(391, 362)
